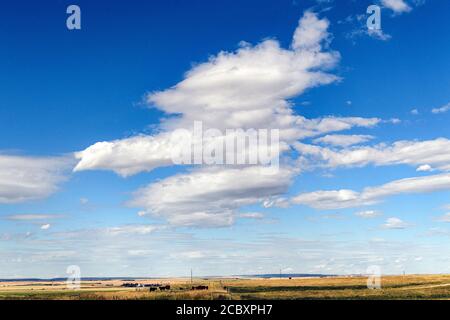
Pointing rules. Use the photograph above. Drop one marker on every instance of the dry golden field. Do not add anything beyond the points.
(393, 287)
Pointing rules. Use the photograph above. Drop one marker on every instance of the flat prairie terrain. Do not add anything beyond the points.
(393, 287)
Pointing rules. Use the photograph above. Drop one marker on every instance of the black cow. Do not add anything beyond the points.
(167, 287)
(200, 288)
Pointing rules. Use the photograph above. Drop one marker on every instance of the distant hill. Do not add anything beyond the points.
(287, 275)
(267, 275)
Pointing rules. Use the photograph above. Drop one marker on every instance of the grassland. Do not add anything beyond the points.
(393, 287)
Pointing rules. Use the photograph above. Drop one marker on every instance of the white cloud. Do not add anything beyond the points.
(393, 121)
(310, 32)
(144, 153)
(128, 156)
(362, 30)
(279, 202)
(251, 215)
(315, 127)
(431, 152)
(395, 223)
(202, 219)
(140, 252)
(208, 197)
(442, 109)
(46, 226)
(130, 229)
(379, 34)
(445, 218)
(248, 88)
(127, 231)
(415, 112)
(190, 255)
(337, 199)
(368, 214)
(29, 178)
(141, 213)
(30, 217)
(343, 140)
(424, 168)
(409, 185)
(333, 199)
(398, 6)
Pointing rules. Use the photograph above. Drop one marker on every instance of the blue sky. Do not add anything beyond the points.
(84, 174)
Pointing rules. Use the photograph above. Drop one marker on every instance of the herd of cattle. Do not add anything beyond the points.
(154, 286)
(151, 286)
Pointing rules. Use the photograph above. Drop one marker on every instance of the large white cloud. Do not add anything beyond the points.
(246, 89)
(29, 178)
(211, 196)
(250, 88)
(145, 153)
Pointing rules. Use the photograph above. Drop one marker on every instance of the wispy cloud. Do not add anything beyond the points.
(397, 6)
(445, 218)
(32, 217)
(39, 177)
(336, 199)
(368, 214)
(442, 109)
(395, 223)
(434, 153)
(342, 140)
